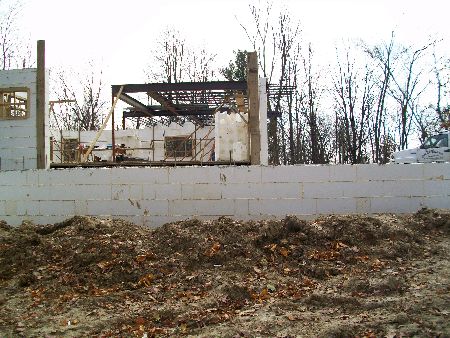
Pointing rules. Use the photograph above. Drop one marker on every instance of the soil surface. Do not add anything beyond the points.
(336, 276)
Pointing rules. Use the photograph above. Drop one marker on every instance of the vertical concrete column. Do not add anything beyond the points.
(41, 109)
(253, 104)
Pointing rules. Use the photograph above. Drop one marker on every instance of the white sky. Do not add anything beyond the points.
(121, 34)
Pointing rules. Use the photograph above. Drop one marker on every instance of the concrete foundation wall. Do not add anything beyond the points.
(153, 196)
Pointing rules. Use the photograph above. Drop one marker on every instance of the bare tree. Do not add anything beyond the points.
(408, 85)
(169, 64)
(384, 59)
(354, 103)
(275, 37)
(86, 90)
(15, 51)
(441, 71)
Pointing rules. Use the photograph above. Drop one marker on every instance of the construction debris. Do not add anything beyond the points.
(352, 276)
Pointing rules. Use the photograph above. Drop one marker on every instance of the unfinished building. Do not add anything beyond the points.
(187, 123)
(203, 155)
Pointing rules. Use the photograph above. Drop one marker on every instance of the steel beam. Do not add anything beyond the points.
(180, 86)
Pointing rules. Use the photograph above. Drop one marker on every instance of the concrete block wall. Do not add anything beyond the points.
(154, 196)
(18, 137)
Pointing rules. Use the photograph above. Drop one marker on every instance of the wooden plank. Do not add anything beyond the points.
(40, 106)
(94, 141)
(253, 112)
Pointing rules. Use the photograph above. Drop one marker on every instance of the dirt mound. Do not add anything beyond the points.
(225, 277)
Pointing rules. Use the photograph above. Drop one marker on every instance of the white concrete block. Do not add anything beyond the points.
(81, 208)
(389, 172)
(363, 205)
(114, 208)
(80, 192)
(168, 191)
(279, 190)
(336, 206)
(241, 174)
(342, 173)
(155, 207)
(122, 191)
(16, 142)
(30, 208)
(19, 131)
(437, 202)
(323, 190)
(282, 207)
(363, 189)
(57, 208)
(436, 171)
(47, 219)
(84, 176)
(157, 221)
(201, 191)
(241, 207)
(136, 175)
(149, 191)
(11, 208)
(11, 220)
(412, 188)
(436, 188)
(194, 175)
(297, 173)
(395, 204)
(12, 178)
(240, 190)
(201, 207)
(14, 193)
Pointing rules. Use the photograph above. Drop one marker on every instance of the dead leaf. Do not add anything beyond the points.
(146, 280)
(213, 250)
(283, 251)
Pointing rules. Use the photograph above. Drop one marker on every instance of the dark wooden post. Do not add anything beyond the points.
(41, 109)
(253, 112)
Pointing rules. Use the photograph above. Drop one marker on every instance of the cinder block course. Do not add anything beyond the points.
(438, 202)
(142, 175)
(168, 191)
(12, 178)
(154, 208)
(201, 207)
(241, 174)
(30, 208)
(201, 191)
(412, 188)
(297, 173)
(282, 207)
(194, 175)
(123, 191)
(363, 189)
(56, 208)
(14, 193)
(342, 173)
(395, 204)
(336, 205)
(436, 188)
(436, 171)
(389, 172)
(323, 190)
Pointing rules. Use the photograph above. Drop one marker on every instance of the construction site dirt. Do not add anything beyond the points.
(337, 276)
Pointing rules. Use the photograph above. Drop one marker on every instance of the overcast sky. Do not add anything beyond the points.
(120, 35)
